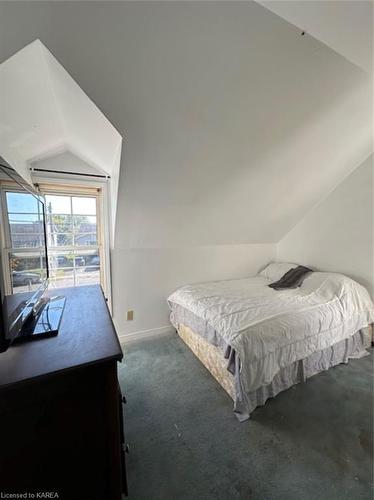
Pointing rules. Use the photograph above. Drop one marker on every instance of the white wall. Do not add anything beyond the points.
(225, 109)
(65, 162)
(144, 277)
(337, 235)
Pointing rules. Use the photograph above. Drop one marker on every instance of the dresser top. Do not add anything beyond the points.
(86, 336)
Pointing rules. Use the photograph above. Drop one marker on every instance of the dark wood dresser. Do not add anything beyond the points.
(61, 423)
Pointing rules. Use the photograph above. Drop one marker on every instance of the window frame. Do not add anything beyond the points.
(85, 187)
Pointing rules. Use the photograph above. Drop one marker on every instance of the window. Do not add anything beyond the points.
(73, 240)
(77, 229)
(24, 245)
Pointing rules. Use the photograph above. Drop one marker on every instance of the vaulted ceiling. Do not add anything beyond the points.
(345, 26)
(235, 125)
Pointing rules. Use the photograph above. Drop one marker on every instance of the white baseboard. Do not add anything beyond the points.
(145, 334)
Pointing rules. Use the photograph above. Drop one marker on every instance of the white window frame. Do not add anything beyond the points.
(60, 184)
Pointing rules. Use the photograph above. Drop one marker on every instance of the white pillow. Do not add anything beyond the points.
(276, 270)
(332, 281)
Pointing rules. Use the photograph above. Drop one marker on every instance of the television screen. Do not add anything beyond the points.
(24, 263)
(25, 215)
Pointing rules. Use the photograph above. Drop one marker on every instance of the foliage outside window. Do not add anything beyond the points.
(73, 240)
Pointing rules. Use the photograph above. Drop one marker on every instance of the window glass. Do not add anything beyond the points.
(84, 223)
(83, 205)
(26, 240)
(21, 203)
(87, 239)
(59, 223)
(25, 216)
(87, 276)
(60, 239)
(72, 239)
(58, 204)
(58, 279)
(73, 244)
(28, 269)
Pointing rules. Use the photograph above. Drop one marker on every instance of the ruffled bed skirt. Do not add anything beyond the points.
(212, 358)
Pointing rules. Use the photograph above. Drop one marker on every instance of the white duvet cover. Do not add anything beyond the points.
(272, 329)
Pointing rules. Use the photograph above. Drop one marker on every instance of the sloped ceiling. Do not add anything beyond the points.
(235, 124)
(44, 113)
(344, 25)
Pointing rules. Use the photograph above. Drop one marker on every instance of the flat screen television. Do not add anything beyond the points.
(26, 312)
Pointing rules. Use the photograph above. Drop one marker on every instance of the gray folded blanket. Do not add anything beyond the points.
(292, 278)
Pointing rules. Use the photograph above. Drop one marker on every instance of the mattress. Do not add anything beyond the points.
(212, 358)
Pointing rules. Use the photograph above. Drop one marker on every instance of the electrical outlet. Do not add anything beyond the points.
(130, 315)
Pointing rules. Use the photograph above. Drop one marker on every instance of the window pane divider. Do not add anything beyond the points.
(73, 248)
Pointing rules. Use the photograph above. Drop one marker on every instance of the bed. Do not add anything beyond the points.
(257, 341)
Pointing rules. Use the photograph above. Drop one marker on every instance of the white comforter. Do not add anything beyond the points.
(272, 329)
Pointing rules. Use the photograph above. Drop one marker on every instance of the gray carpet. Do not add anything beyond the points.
(313, 441)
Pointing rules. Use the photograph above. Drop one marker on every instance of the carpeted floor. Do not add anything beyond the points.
(312, 442)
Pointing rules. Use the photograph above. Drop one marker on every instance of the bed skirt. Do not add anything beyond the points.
(212, 358)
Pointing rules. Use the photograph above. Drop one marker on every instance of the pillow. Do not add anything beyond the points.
(315, 281)
(276, 270)
(292, 279)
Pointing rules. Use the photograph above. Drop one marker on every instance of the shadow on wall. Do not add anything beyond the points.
(337, 235)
